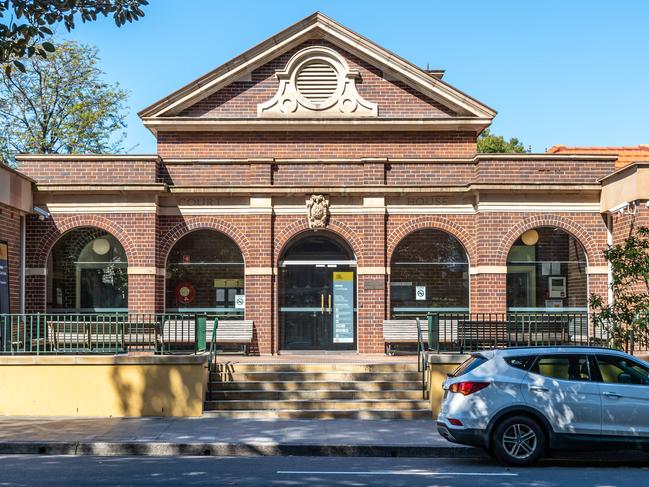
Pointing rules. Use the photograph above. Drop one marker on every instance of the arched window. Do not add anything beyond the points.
(429, 273)
(205, 272)
(322, 246)
(547, 271)
(87, 272)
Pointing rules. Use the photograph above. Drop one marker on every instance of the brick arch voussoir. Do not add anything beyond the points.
(570, 226)
(437, 223)
(339, 228)
(54, 234)
(189, 225)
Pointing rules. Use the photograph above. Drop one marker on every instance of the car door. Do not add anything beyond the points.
(559, 386)
(625, 395)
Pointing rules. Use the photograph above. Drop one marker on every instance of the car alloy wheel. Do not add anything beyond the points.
(518, 441)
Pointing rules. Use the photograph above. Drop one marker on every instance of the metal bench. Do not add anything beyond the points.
(229, 331)
(403, 331)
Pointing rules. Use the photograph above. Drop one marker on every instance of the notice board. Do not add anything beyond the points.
(343, 307)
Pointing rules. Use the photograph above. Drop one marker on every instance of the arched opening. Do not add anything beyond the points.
(205, 272)
(429, 272)
(317, 294)
(547, 272)
(87, 271)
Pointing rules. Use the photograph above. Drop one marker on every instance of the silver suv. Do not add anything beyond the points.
(520, 403)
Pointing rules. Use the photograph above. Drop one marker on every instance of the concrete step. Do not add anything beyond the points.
(322, 414)
(318, 394)
(302, 405)
(317, 367)
(325, 375)
(312, 385)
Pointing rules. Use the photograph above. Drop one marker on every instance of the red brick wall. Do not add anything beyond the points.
(91, 170)
(204, 174)
(147, 240)
(326, 175)
(240, 99)
(316, 144)
(10, 233)
(627, 224)
(542, 171)
(430, 174)
(249, 160)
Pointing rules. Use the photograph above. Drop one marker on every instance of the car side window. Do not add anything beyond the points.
(522, 362)
(615, 369)
(563, 366)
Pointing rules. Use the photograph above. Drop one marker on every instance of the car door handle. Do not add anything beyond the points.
(538, 389)
(612, 395)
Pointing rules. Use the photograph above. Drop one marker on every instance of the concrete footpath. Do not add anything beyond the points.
(226, 437)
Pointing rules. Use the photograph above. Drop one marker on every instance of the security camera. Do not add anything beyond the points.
(42, 214)
(619, 208)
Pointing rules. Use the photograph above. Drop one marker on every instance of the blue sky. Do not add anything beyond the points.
(574, 72)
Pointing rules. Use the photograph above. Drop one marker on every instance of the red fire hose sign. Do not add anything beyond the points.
(185, 293)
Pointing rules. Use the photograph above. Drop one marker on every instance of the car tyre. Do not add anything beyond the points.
(519, 441)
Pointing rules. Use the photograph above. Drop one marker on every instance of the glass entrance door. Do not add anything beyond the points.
(317, 307)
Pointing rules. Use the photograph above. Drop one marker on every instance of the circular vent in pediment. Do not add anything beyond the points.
(317, 81)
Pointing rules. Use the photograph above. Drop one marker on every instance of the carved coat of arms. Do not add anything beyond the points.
(318, 211)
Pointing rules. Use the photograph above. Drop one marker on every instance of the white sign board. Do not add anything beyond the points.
(240, 301)
(420, 293)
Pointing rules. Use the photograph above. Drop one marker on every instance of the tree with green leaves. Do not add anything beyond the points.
(61, 104)
(626, 318)
(496, 144)
(25, 25)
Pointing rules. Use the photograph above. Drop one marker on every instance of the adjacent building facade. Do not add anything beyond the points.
(316, 184)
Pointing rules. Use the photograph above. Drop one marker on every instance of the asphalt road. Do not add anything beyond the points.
(19, 470)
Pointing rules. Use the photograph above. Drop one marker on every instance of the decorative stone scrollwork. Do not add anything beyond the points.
(317, 82)
(317, 211)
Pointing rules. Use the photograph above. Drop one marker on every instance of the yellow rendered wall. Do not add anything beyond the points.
(106, 390)
(435, 375)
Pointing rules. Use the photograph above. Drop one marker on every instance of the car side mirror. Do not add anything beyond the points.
(624, 378)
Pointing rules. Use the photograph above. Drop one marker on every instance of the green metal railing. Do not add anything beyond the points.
(468, 332)
(103, 333)
(458, 332)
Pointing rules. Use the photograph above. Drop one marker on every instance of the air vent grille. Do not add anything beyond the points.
(317, 81)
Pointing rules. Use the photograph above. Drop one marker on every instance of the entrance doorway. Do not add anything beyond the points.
(317, 294)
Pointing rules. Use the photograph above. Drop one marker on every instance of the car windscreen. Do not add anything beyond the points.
(468, 365)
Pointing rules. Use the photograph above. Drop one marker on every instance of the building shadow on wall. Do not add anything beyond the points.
(157, 390)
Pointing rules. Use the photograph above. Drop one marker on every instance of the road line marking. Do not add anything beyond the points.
(396, 472)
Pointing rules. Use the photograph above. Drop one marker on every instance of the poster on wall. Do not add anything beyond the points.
(343, 307)
(4, 278)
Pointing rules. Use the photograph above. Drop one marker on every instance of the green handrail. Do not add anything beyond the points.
(421, 367)
(212, 358)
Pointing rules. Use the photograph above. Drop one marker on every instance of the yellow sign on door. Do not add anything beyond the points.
(343, 276)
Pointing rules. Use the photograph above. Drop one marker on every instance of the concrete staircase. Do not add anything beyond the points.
(316, 391)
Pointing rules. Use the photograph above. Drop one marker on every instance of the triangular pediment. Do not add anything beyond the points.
(292, 73)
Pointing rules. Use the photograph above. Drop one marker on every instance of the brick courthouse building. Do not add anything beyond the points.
(316, 184)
